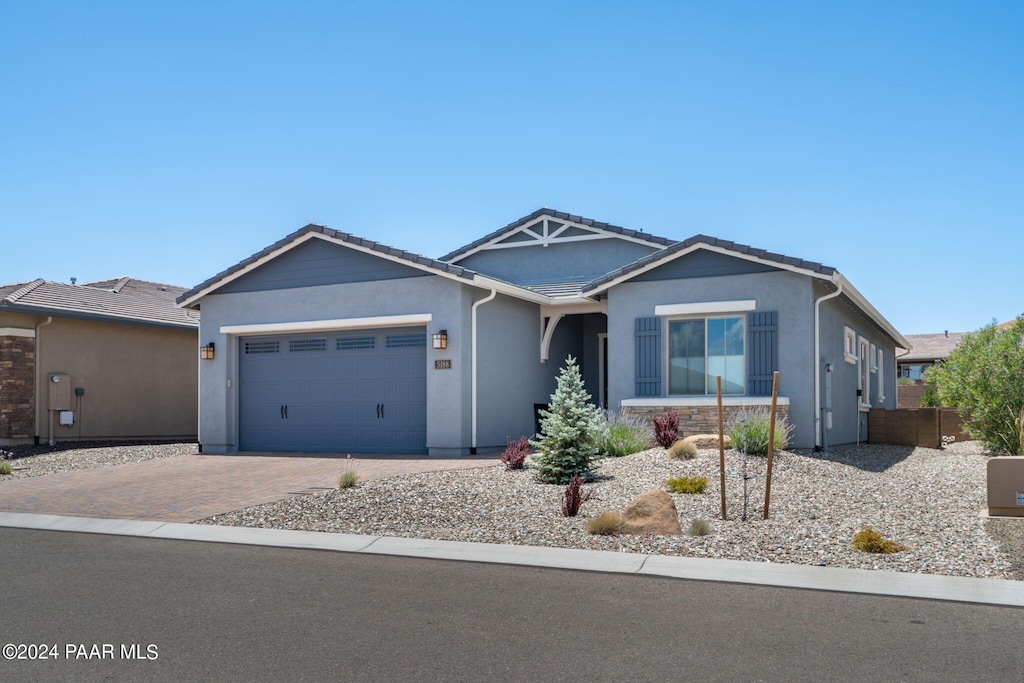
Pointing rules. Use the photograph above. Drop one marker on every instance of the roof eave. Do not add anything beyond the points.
(857, 298)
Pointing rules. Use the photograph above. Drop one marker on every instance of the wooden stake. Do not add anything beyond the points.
(771, 444)
(721, 443)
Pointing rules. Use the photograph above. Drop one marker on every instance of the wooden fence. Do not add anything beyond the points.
(926, 427)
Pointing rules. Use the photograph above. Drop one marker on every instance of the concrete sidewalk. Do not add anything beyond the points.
(926, 586)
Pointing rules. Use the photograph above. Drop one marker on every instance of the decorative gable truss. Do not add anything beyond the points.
(545, 231)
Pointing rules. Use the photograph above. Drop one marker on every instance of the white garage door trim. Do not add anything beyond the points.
(330, 325)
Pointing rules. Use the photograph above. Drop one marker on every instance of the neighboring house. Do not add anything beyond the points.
(928, 349)
(336, 343)
(124, 357)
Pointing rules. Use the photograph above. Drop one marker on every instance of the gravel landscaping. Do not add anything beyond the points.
(37, 461)
(927, 500)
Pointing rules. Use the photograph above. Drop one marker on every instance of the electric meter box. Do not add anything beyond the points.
(60, 391)
(67, 418)
(1006, 486)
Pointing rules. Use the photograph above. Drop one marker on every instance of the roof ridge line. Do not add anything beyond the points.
(17, 294)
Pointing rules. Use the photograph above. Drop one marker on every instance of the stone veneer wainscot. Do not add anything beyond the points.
(17, 386)
(699, 415)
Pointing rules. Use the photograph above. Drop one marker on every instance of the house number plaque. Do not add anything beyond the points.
(445, 364)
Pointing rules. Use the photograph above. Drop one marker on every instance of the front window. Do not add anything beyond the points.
(702, 349)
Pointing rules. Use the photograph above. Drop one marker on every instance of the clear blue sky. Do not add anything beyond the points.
(168, 141)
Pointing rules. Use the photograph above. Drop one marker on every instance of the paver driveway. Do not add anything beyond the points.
(192, 487)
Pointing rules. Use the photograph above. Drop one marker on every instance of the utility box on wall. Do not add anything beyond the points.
(1006, 486)
(60, 391)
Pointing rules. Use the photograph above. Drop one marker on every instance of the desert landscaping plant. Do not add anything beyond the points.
(349, 477)
(574, 496)
(515, 453)
(687, 484)
(666, 428)
(5, 467)
(624, 435)
(682, 450)
(982, 379)
(870, 541)
(700, 527)
(605, 524)
(748, 430)
(568, 429)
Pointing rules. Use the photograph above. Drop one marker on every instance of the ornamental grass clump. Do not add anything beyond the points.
(870, 541)
(624, 435)
(700, 527)
(349, 477)
(687, 484)
(682, 450)
(5, 467)
(568, 431)
(515, 453)
(666, 428)
(749, 429)
(574, 497)
(605, 524)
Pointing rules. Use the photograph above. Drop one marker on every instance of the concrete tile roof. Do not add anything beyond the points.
(123, 300)
(931, 346)
(653, 239)
(379, 247)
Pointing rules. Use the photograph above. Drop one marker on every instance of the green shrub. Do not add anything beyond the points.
(682, 450)
(605, 524)
(904, 381)
(982, 379)
(870, 541)
(687, 484)
(569, 429)
(749, 429)
(5, 467)
(624, 435)
(700, 527)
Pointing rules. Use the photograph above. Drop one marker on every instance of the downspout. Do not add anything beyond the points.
(473, 408)
(817, 359)
(39, 383)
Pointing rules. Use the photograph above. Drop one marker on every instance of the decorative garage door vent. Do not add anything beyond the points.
(262, 346)
(401, 341)
(296, 345)
(356, 343)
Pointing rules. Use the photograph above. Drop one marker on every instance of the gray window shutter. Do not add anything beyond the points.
(648, 356)
(762, 351)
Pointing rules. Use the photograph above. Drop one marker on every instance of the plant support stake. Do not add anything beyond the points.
(721, 443)
(771, 444)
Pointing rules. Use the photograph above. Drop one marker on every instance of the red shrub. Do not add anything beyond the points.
(574, 497)
(515, 453)
(666, 429)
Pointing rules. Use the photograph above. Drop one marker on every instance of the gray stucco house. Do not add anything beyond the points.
(328, 342)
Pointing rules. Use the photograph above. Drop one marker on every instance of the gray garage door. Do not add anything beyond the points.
(361, 391)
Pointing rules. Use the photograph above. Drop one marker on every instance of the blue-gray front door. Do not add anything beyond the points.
(357, 391)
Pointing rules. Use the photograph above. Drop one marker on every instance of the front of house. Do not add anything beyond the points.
(326, 342)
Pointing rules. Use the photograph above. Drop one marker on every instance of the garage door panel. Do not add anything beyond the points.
(332, 385)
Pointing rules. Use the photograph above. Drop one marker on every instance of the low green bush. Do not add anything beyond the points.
(5, 467)
(687, 484)
(605, 524)
(624, 435)
(749, 429)
(870, 541)
(700, 527)
(349, 477)
(682, 450)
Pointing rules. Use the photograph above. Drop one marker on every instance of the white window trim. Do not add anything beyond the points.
(863, 378)
(717, 308)
(873, 355)
(880, 359)
(850, 345)
(668, 353)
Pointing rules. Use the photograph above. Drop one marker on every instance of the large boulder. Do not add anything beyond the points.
(653, 512)
(708, 440)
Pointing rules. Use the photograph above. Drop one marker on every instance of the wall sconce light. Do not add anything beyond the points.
(206, 352)
(441, 340)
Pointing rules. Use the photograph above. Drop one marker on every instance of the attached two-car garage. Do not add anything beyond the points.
(348, 391)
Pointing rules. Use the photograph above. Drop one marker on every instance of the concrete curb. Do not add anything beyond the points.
(897, 584)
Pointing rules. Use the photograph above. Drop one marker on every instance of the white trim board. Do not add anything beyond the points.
(690, 401)
(706, 307)
(328, 325)
(17, 332)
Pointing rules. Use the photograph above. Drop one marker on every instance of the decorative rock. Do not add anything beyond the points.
(653, 512)
(708, 440)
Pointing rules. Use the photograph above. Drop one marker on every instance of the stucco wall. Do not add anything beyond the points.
(787, 293)
(448, 416)
(139, 381)
(558, 262)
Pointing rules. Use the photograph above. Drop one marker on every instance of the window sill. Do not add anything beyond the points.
(686, 401)
(852, 360)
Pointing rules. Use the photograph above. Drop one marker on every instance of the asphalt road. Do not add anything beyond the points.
(228, 612)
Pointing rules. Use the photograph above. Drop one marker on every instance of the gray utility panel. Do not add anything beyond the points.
(356, 391)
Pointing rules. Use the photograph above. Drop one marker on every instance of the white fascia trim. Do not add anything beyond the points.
(502, 287)
(328, 325)
(690, 401)
(302, 240)
(542, 240)
(701, 245)
(862, 303)
(706, 307)
(17, 332)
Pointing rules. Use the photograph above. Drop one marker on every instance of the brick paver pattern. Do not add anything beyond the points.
(192, 487)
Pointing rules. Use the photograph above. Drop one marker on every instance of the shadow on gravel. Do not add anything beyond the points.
(869, 458)
(25, 450)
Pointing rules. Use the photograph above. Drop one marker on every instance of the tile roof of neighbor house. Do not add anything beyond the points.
(400, 254)
(714, 242)
(931, 346)
(123, 299)
(653, 239)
